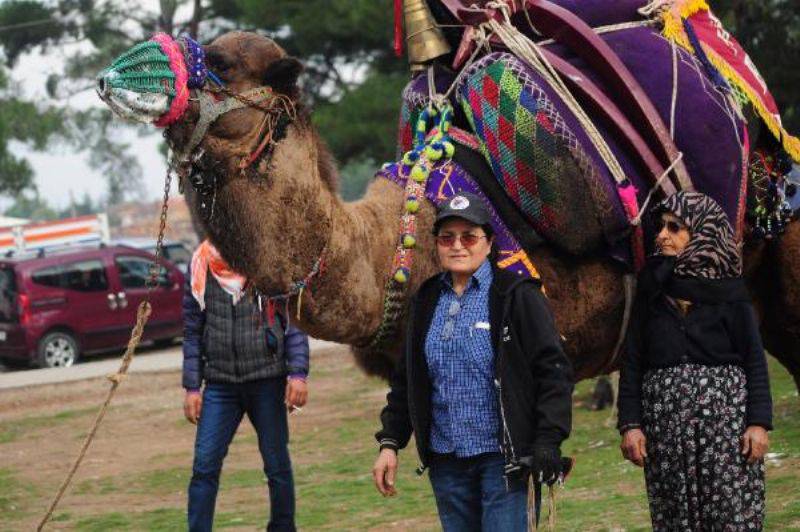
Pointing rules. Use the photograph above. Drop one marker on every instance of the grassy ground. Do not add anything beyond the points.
(136, 473)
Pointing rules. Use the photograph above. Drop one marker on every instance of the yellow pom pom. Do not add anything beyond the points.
(449, 149)
(432, 153)
(400, 276)
(412, 206)
(419, 173)
(409, 241)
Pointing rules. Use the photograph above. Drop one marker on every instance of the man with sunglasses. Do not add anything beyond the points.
(484, 384)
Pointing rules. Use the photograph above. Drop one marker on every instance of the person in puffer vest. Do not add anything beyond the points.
(244, 363)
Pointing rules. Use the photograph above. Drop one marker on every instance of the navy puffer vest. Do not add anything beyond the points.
(239, 345)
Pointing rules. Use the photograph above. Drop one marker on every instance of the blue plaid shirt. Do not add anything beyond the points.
(460, 357)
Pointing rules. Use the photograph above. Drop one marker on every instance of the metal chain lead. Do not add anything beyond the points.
(155, 268)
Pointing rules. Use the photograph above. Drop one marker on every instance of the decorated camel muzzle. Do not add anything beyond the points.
(157, 82)
(150, 83)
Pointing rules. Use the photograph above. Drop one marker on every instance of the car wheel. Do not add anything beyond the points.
(57, 350)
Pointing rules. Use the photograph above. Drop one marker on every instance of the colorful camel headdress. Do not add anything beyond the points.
(152, 82)
(156, 71)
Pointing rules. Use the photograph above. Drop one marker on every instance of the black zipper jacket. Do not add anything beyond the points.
(533, 377)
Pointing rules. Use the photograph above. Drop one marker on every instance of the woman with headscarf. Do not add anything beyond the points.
(694, 399)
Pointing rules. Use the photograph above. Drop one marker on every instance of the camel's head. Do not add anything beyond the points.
(192, 91)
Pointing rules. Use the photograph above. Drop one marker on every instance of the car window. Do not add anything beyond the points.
(134, 272)
(8, 293)
(177, 254)
(82, 276)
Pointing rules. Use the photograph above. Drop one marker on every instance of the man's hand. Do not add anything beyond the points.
(192, 404)
(634, 446)
(755, 443)
(296, 393)
(384, 472)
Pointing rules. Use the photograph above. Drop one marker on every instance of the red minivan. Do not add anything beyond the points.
(56, 306)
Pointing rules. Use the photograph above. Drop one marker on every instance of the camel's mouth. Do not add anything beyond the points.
(150, 82)
(143, 107)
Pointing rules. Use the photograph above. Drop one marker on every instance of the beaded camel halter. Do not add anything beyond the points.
(155, 81)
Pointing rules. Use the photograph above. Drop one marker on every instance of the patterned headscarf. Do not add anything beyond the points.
(712, 253)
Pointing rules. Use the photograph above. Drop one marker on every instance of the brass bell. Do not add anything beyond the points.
(425, 40)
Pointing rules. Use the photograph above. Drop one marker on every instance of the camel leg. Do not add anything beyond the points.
(777, 293)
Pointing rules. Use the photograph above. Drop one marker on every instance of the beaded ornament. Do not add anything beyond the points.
(769, 198)
(195, 59)
(431, 145)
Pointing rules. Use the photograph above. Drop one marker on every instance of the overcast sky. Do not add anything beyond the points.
(60, 170)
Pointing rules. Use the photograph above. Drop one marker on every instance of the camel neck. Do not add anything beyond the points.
(285, 219)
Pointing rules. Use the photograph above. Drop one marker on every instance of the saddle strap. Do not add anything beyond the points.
(612, 116)
(568, 29)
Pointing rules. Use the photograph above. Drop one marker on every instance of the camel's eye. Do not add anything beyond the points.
(218, 61)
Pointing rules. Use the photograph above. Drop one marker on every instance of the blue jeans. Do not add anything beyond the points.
(224, 405)
(471, 494)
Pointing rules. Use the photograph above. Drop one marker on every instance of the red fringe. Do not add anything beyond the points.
(398, 28)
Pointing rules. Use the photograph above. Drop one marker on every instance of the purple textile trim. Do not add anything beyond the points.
(711, 70)
(195, 58)
(446, 180)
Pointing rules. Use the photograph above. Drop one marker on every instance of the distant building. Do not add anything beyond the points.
(141, 219)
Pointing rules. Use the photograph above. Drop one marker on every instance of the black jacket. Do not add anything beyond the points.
(533, 377)
(720, 328)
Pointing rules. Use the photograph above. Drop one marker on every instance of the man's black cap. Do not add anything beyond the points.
(466, 206)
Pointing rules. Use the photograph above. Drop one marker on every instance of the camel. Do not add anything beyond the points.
(274, 220)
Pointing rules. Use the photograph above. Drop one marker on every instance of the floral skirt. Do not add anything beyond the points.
(697, 479)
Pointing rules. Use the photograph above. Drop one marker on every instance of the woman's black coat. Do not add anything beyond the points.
(720, 328)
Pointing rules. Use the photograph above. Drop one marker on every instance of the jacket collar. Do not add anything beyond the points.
(503, 281)
(482, 276)
(658, 279)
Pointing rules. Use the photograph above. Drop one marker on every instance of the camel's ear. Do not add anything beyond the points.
(282, 75)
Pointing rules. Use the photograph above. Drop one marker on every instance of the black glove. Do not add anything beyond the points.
(544, 464)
